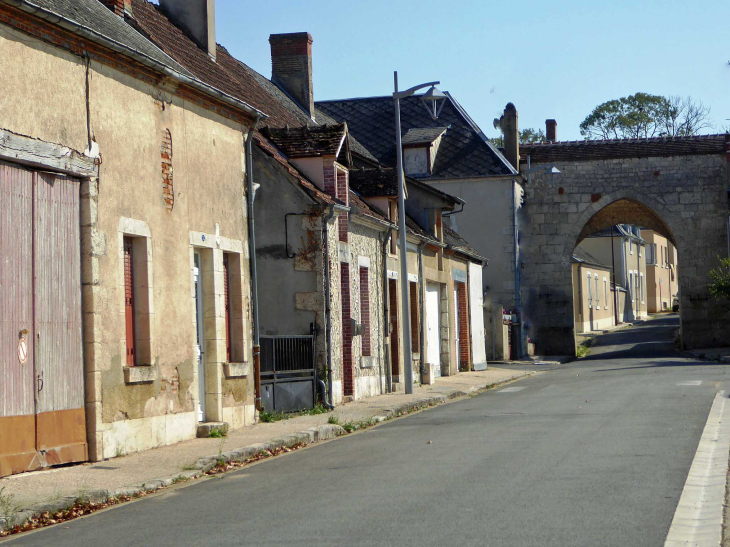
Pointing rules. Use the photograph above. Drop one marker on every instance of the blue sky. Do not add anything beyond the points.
(552, 59)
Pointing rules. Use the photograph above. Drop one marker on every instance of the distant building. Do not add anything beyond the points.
(662, 283)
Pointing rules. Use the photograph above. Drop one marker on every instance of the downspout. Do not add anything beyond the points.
(327, 305)
(251, 195)
(383, 239)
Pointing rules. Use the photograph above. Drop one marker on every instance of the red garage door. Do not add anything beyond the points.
(41, 365)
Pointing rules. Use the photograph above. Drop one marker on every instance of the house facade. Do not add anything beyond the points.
(126, 187)
(662, 283)
(594, 301)
(453, 155)
(629, 259)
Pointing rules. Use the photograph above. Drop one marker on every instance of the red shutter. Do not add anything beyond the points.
(365, 311)
(415, 326)
(227, 300)
(129, 300)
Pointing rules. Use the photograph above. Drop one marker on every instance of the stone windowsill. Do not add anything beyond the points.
(140, 374)
(236, 370)
(367, 361)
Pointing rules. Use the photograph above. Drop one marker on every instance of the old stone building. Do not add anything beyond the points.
(676, 187)
(133, 168)
(662, 271)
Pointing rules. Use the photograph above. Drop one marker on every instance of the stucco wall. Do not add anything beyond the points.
(127, 121)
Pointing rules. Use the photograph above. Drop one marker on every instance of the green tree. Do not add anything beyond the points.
(527, 136)
(643, 115)
(720, 286)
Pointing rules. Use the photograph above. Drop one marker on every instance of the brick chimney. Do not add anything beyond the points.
(196, 18)
(291, 67)
(119, 7)
(551, 130)
(511, 132)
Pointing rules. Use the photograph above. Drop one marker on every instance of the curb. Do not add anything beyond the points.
(206, 463)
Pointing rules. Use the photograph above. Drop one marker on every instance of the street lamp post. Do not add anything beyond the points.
(434, 101)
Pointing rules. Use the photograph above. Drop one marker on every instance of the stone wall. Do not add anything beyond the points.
(684, 197)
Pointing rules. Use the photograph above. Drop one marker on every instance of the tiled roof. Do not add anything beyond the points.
(455, 241)
(582, 257)
(464, 150)
(93, 15)
(305, 142)
(422, 135)
(355, 146)
(308, 186)
(623, 148)
(412, 227)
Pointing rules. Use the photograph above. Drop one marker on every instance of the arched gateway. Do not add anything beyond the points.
(677, 187)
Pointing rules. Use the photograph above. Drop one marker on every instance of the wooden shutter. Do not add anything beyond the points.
(129, 300)
(415, 325)
(227, 300)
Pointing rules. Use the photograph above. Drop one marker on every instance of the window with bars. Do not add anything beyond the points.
(233, 301)
(137, 303)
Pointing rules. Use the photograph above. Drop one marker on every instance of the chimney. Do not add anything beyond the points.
(119, 7)
(196, 18)
(511, 135)
(551, 130)
(291, 67)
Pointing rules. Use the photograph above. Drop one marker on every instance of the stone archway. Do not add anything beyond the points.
(684, 198)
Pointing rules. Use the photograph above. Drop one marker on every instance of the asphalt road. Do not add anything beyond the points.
(591, 453)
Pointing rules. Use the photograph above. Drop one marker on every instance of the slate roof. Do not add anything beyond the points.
(464, 150)
(422, 135)
(618, 231)
(306, 142)
(93, 15)
(582, 257)
(455, 241)
(623, 148)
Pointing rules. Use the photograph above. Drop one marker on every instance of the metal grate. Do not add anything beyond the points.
(288, 373)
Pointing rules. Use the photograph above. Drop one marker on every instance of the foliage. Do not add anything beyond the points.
(643, 115)
(333, 420)
(527, 136)
(720, 286)
(270, 417)
(216, 433)
(584, 348)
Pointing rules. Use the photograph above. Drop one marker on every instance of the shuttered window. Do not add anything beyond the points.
(365, 310)
(227, 304)
(415, 324)
(129, 300)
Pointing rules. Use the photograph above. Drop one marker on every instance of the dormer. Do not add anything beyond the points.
(321, 152)
(420, 146)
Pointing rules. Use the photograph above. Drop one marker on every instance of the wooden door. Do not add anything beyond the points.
(42, 419)
(394, 330)
(60, 419)
(433, 326)
(17, 378)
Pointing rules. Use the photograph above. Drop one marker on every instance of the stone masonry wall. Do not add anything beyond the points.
(685, 196)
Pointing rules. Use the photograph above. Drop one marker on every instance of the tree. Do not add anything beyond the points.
(643, 115)
(720, 286)
(527, 136)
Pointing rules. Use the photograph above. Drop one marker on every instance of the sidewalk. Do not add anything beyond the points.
(53, 489)
(712, 354)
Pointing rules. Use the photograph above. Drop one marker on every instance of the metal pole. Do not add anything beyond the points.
(405, 307)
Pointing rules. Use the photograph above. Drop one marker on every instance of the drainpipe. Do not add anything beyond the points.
(383, 239)
(251, 195)
(327, 304)
(386, 314)
(421, 285)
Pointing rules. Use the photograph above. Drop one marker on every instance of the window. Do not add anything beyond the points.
(129, 301)
(415, 319)
(641, 286)
(137, 297)
(394, 219)
(227, 305)
(365, 311)
(233, 300)
(590, 291)
(605, 292)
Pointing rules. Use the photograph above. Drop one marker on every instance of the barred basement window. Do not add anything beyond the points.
(168, 193)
